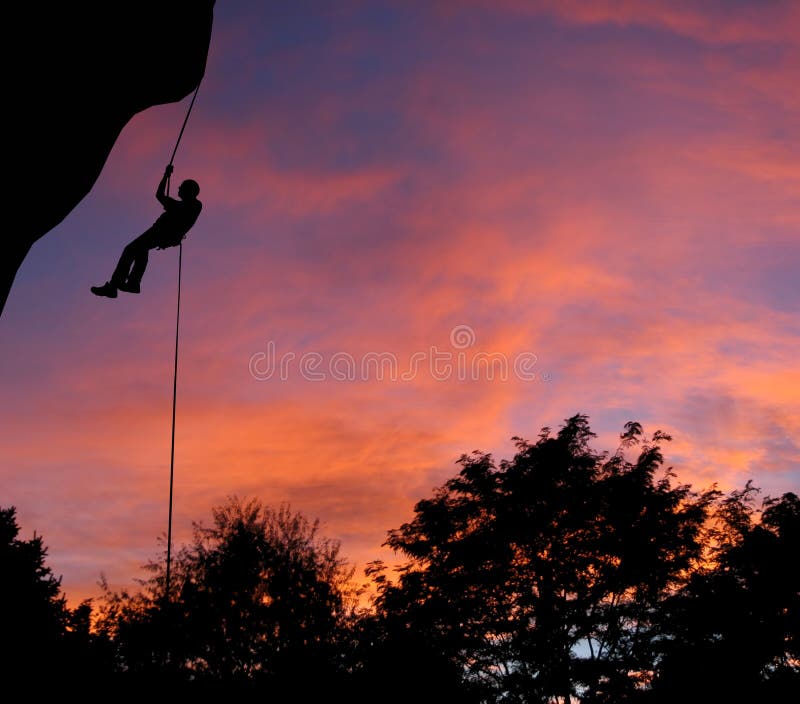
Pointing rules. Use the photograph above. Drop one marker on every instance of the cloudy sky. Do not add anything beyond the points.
(428, 227)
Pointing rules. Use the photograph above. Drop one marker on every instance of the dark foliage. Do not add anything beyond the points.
(561, 575)
(39, 635)
(566, 574)
(733, 634)
(257, 598)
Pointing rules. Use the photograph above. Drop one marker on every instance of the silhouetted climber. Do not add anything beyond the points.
(168, 231)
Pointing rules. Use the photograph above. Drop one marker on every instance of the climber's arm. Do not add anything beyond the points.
(161, 193)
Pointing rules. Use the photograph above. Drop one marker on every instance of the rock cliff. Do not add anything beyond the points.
(78, 72)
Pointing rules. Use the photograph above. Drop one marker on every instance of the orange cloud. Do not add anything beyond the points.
(626, 213)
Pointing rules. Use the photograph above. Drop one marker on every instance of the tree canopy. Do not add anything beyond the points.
(562, 575)
(540, 576)
(258, 595)
(38, 632)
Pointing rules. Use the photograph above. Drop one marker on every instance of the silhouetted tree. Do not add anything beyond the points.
(258, 597)
(394, 662)
(41, 638)
(539, 578)
(733, 634)
(562, 575)
(33, 612)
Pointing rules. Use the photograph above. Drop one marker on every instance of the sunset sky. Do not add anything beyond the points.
(603, 196)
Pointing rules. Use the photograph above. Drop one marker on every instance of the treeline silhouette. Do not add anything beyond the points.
(561, 575)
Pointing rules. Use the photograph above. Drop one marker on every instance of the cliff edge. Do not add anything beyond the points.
(80, 72)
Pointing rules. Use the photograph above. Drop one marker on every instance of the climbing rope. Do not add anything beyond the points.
(175, 371)
(172, 444)
(183, 127)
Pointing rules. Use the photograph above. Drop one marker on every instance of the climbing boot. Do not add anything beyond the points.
(129, 287)
(107, 289)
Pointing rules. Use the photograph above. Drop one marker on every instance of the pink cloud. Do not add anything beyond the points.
(716, 22)
(607, 231)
